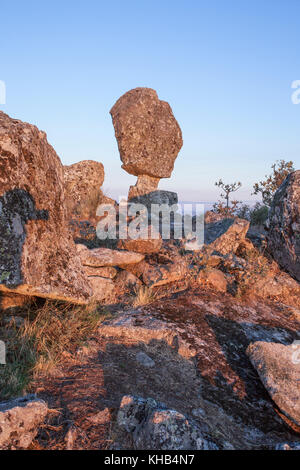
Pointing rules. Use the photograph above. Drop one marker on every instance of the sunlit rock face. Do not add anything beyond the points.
(148, 136)
(82, 188)
(37, 254)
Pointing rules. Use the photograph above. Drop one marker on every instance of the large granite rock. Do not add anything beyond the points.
(19, 421)
(279, 370)
(283, 236)
(37, 255)
(82, 188)
(148, 135)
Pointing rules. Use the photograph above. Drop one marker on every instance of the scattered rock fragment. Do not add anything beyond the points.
(19, 421)
(214, 278)
(153, 426)
(144, 359)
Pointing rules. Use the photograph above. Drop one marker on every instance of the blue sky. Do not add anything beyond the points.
(225, 66)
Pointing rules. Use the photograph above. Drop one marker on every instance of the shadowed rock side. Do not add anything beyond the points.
(16, 209)
(284, 225)
(38, 256)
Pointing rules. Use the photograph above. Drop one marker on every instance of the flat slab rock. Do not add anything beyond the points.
(99, 257)
(278, 367)
(19, 421)
(212, 380)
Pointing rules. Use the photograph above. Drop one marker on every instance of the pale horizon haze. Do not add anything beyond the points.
(226, 69)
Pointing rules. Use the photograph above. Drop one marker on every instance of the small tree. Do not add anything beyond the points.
(267, 187)
(227, 190)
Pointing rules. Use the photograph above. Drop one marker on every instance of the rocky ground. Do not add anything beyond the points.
(150, 343)
(187, 351)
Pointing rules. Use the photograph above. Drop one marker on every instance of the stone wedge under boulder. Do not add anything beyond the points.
(37, 255)
(278, 367)
(19, 421)
(283, 235)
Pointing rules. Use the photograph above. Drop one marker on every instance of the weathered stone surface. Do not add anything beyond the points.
(288, 446)
(126, 282)
(19, 421)
(279, 370)
(143, 245)
(211, 217)
(213, 277)
(103, 288)
(143, 359)
(278, 286)
(226, 235)
(156, 197)
(283, 236)
(106, 271)
(99, 257)
(198, 341)
(37, 255)
(82, 188)
(154, 275)
(145, 184)
(153, 426)
(148, 135)
(8, 300)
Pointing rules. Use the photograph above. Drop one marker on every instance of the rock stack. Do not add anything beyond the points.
(149, 139)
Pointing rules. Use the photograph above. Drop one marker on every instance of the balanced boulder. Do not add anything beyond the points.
(149, 137)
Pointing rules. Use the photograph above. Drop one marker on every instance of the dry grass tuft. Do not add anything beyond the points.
(40, 345)
(143, 296)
